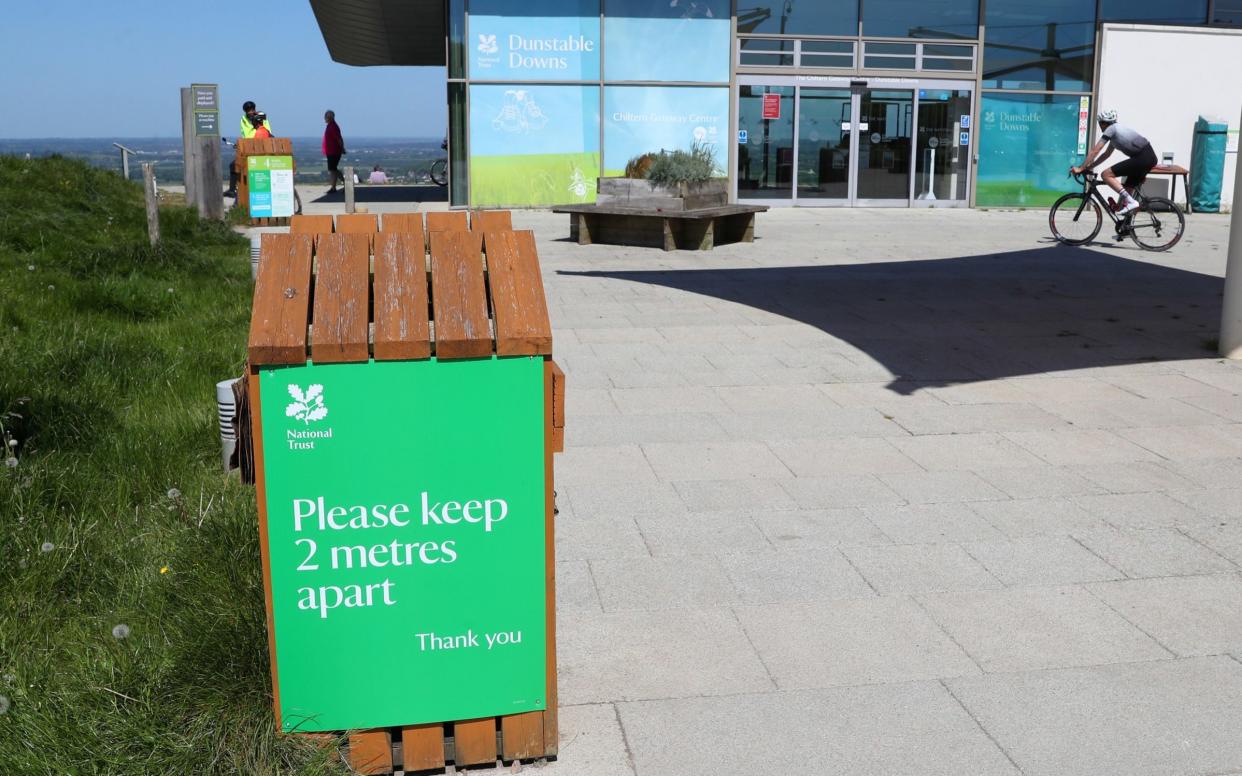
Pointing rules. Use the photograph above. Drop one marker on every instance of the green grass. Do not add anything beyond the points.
(532, 180)
(1016, 193)
(109, 352)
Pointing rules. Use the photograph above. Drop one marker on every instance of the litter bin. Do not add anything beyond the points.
(1207, 164)
(404, 429)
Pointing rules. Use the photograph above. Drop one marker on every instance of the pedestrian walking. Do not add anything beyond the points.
(333, 149)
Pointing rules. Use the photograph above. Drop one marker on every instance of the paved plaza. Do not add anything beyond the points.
(897, 492)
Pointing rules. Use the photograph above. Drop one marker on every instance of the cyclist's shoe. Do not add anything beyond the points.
(1128, 206)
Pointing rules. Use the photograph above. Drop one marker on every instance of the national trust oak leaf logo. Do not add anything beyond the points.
(306, 406)
(487, 44)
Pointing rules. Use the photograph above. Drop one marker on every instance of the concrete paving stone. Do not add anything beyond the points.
(921, 419)
(958, 452)
(1130, 412)
(984, 392)
(1037, 517)
(1224, 405)
(851, 642)
(919, 568)
(592, 536)
(764, 398)
(1163, 386)
(642, 378)
(913, 729)
(588, 401)
(1188, 442)
(1133, 476)
(1189, 615)
(666, 582)
(1208, 473)
(714, 461)
(1223, 536)
(598, 430)
(758, 362)
(575, 590)
(621, 334)
(1139, 510)
(922, 487)
(667, 399)
(828, 421)
(590, 465)
(1078, 447)
(749, 493)
(701, 533)
(1153, 552)
(931, 523)
(1227, 378)
(583, 379)
(665, 362)
(591, 742)
(841, 491)
(879, 394)
(702, 335)
(791, 333)
(1218, 503)
(818, 529)
(773, 576)
(1029, 629)
(1040, 560)
(841, 456)
(610, 499)
(1129, 719)
(635, 655)
(1071, 389)
(1039, 482)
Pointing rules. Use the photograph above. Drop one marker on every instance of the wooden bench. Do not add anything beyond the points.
(1174, 171)
(696, 230)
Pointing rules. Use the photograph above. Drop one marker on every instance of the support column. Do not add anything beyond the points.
(1231, 307)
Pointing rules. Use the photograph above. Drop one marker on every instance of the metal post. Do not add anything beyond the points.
(1231, 311)
(349, 189)
(153, 203)
(125, 163)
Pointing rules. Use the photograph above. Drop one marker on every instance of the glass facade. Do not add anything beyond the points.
(640, 119)
(798, 17)
(646, 40)
(1048, 45)
(1227, 12)
(921, 19)
(1027, 143)
(1154, 11)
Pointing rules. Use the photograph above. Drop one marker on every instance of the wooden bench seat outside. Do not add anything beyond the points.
(700, 230)
(1174, 171)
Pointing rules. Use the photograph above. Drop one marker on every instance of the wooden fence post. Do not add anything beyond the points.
(349, 189)
(153, 201)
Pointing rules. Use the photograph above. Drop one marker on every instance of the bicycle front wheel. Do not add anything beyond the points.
(1075, 219)
(1157, 225)
(439, 172)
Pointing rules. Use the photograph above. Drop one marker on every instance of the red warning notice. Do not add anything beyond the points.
(771, 106)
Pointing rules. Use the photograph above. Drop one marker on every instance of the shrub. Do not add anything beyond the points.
(639, 165)
(698, 165)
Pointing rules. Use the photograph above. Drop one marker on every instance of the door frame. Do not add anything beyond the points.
(857, 85)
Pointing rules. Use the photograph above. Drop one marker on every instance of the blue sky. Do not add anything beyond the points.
(94, 68)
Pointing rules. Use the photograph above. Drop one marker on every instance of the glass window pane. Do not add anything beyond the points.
(761, 51)
(765, 162)
(1045, 45)
(457, 39)
(646, 40)
(1164, 11)
(826, 60)
(647, 119)
(890, 48)
(547, 40)
(921, 18)
(828, 46)
(459, 190)
(797, 17)
(889, 63)
(941, 50)
(824, 143)
(1227, 12)
(933, 63)
(1027, 142)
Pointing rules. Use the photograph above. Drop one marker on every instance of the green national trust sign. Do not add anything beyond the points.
(405, 533)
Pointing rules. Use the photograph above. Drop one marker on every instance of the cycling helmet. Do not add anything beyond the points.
(1108, 116)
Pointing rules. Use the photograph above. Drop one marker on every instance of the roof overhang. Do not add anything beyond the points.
(383, 32)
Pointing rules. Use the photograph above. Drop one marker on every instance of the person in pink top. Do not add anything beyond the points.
(333, 149)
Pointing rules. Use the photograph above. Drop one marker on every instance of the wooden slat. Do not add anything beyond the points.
(551, 742)
(459, 297)
(339, 332)
(402, 222)
(448, 221)
(422, 747)
(310, 225)
(474, 741)
(402, 330)
(491, 221)
(522, 736)
(281, 300)
(558, 396)
(358, 223)
(518, 304)
(370, 752)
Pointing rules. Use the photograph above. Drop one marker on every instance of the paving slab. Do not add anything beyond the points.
(1039, 482)
(1154, 552)
(1079, 447)
(1139, 510)
(746, 493)
(1037, 517)
(1199, 615)
(673, 461)
(1041, 561)
(817, 529)
(840, 491)
(919, 568)
(924, 487)
(972, 452)
(1129, 719)
(664, 582)
(931, 523)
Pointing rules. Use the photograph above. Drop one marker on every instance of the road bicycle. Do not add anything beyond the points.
(439, 172)
(1156, 224)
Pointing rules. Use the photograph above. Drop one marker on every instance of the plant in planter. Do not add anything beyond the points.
(639, 165)
(671, 169)
(668, 180)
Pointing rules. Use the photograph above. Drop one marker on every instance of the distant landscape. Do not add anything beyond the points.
(404, 160)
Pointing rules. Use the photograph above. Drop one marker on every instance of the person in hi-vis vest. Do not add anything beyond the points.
(247, 129)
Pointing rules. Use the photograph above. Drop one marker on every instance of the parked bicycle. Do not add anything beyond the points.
(439, 172)
(1076, 218)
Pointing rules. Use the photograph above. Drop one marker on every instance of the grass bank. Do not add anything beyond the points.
(132, 635)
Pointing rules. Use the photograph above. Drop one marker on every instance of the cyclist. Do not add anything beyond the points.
(1142, 158)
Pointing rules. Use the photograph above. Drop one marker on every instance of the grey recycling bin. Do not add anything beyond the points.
(1207, 164)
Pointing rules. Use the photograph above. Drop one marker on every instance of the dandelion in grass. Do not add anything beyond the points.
(174, 494)
(11, 462)
(12, 443)
(9, 678)
(30, 267)
(120, 631)
(163, 569)
(170, 290)
(46, 547)
(51, 288)
(4, 704)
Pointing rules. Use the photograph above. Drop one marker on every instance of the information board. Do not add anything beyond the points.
(405, 531)
(271, 186)
(771, 106)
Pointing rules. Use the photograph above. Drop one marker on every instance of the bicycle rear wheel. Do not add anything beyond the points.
(1157, 225)
(1075, 219)
(439, 172)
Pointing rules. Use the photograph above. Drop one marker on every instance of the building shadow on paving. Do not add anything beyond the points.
(389, 193)
(974, 318)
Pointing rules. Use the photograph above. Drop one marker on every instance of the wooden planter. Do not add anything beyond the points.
(470, 304)
(643, 194)
(243, 150)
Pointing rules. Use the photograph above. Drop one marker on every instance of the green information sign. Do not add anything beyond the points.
(271, 186)
(206, 123)
(405, 532)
